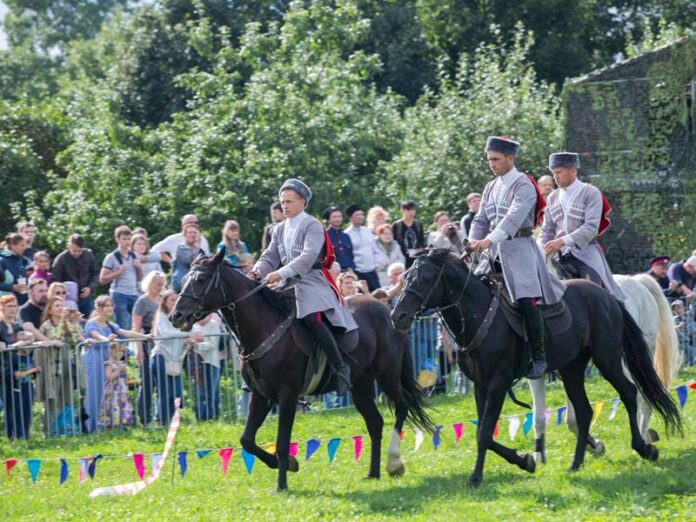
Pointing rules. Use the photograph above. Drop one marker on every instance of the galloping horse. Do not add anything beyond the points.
(650, 310)
(275, 365)
(492, 352)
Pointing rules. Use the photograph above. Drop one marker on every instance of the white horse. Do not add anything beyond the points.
(651, 311)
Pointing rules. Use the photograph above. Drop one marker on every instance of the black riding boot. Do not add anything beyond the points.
(326, 342)
(534, 326)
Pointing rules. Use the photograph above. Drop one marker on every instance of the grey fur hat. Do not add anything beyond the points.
(564, 159)
(504, 145)
(297, 186)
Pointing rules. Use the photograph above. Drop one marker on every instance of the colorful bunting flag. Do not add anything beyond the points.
(692, 385)
(92, 468)
(225, 456)
(63, 471)
(496, 431)
(597, 410)
(436, 436)
(475, 422)
(156, 460)
(332, 447)
(183, 465)
(9, 464)
(83, 462)
(547, 415)
(458, 430)
(681, 393)
(312, 447)
(514, 426)
(528, 420)
(202, 453)
(401, 435)
(139, 463)
(293, 449)
(248, 459)
(614, 409)
(34, 465)
(271, 448)
(357, 446)
(419, 438)
(559, 416)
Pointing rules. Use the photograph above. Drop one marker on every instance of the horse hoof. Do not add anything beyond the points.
(652, 453)
(653, 435)
(540, 457)
(475, 481)
(529, 463)
(574, 467)
(293, 465)
(599, 449)
(370, 476)
(396, 470)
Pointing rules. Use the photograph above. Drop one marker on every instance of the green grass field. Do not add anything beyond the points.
(616, 486)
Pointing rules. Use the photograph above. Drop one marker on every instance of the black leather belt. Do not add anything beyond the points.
(523, 232)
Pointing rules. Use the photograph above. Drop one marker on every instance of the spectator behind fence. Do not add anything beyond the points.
(116, 410)
(166, 358)
(342, 244)
(101, 329)
(150, 261)
(77, 264)
(473, 201)
(231, 244)
(364, 247)
(185, 254)
(27, 230)
(682, 277)
(204, 366)
(658, 270)
(686, 331)
(376, 216)
(56, 385)
(276, 218)
(172, 242)
(122, 270)
(13, 266)
(42, 265)
(30, 313)
(408, 232)
(395, 273)
(388, 252)
(350, 286)
(143, 319)
(17, 370)
(446, 236)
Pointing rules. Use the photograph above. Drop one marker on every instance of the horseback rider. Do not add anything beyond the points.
(576, 216)
(510, 208)
(299, 249)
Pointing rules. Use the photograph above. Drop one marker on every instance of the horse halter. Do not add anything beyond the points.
(439, 309)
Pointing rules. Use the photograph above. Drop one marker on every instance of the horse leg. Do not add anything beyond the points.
(538, 389)
(365, 404)
(574, 383)
(287, 406)
(644, 412)
(258, 411)
(594, 446)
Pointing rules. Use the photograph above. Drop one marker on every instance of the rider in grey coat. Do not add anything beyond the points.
(296, 250)
(504, 225)
(571, 224)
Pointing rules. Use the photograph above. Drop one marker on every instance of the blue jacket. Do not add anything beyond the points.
(13, 267)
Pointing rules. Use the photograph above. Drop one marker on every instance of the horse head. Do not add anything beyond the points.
(202, 291)
(424, 287)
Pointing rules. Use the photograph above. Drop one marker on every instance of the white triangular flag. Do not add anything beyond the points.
(614, 409)
(514, 426)
(156, 459)
(419, 438)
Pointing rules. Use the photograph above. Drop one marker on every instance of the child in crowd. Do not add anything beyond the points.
(42, 265)
(116, 410)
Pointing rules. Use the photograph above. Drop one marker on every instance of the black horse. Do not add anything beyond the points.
(260, 319)
(601, 329)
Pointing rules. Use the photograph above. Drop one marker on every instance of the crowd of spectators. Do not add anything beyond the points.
(76, 300)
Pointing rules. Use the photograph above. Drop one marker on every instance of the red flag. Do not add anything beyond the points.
(495, 431)
(9, 464)
(692, 385)
(326, 263)
(540, 204)
(604, 221)
(225, 456)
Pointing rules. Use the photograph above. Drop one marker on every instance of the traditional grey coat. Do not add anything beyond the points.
(506, 207)
(579, 229)
(312, 291)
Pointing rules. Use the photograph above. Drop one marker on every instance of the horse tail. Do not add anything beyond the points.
(637, 356)
(666, 343)
(414, 395)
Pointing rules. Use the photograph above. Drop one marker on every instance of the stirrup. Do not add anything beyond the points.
(342, 378)
(538, 369)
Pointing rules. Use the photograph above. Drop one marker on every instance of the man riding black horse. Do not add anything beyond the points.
(298, 250)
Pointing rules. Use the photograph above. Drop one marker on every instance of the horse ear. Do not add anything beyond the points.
(219, 257)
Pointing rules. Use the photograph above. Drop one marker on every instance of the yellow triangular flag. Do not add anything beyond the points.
(270, 448)
(597, 410)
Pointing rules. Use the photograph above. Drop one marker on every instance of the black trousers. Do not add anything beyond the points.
(572, 268)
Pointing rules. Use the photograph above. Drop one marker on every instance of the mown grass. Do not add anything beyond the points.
(616, 486)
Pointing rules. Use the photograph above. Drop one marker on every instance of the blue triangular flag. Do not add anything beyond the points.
(475, 422)
(248, 459)
(312, 446)
(559, 417)
(93, 465)
(63, 471)
(682, 393)
(34, 465)
(183, 465)
(528, 419)
(436, 436)
(202, 453)
(332, 447)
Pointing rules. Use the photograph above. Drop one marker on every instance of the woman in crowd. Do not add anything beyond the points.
(350, 286)
(444, 232)
(18, 370)
(388, 250)
(376, 216)
(185, 254)
(55, 387)
(231, 243)
(101, 329)
(150, 261)
(143, 319)
(204, 366)
(13, 266)
(167, 356)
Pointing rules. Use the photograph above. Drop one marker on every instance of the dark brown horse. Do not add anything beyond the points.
(260, 319)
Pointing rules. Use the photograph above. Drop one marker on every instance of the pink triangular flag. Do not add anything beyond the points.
(293, 449)
(357, 445)
(458, 430)
(9, 464)
(547, 416)
(139, 462)
(83, 464)
(225, 456)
